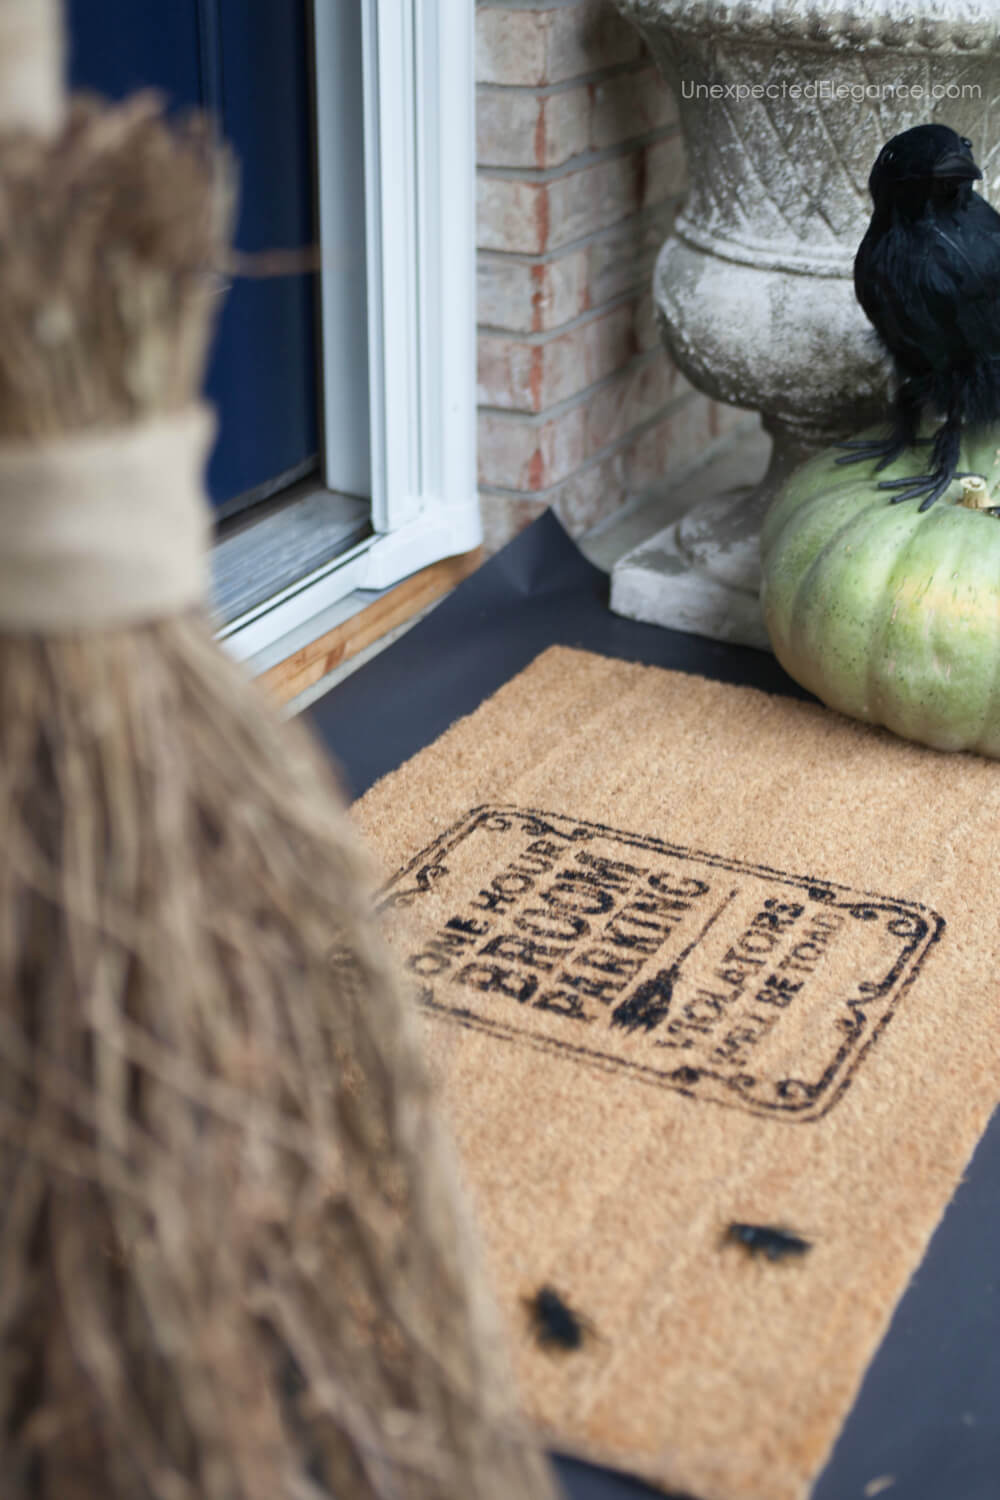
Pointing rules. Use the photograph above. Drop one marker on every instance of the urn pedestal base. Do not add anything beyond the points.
(800, 344)
(701, 573)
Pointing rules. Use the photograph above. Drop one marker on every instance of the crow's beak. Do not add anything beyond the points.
(956, 167)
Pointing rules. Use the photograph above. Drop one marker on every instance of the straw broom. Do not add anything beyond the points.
(234, 1263)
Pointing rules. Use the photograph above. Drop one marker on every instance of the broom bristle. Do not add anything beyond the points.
(111, 240)
(233, 1254)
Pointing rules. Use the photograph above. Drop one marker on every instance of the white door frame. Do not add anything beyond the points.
(420, 182)
(419, 106)
(419, 287)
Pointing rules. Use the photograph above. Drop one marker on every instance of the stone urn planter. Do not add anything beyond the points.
(784, 105)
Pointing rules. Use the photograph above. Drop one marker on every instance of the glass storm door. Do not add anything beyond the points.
(247, 61)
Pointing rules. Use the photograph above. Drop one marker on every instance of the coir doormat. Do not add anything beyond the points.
(710, 981)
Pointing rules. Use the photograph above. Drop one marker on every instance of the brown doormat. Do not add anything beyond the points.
(694, 957)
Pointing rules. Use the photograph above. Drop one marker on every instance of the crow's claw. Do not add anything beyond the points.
(886, 450)
(925, 487)
(935, 494)
(881, 442)
(860, 450)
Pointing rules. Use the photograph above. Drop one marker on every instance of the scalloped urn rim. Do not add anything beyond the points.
(893, 25)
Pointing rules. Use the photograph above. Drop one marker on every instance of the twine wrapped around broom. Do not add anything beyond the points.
(234, 1263)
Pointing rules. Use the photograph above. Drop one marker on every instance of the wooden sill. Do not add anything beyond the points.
(310, 664)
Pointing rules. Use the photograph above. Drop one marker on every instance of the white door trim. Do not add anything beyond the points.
(419, 109)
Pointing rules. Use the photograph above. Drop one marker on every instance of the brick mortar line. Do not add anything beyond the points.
(540, 5)
(674, 478)
(580, 321)
(547, 257)
(542, 176)
(552, 413)
(546, 90)
(680, 475)
(675, 404)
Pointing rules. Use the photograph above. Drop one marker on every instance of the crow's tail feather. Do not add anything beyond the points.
(971, 390)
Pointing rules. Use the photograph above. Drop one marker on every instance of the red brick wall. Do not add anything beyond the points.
(580, 172)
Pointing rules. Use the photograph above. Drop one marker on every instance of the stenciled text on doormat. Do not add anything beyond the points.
(728, 981)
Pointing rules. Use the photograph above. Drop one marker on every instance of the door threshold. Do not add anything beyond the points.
(356, 627)
(262, 554)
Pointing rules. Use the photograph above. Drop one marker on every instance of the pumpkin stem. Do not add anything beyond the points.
(975, 492)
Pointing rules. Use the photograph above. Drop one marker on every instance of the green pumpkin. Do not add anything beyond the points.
(887, 613)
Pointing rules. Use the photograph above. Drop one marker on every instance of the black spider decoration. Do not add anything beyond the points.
(766, 1239)
(555, 1323)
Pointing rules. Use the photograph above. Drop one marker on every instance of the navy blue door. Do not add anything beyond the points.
(248, 62)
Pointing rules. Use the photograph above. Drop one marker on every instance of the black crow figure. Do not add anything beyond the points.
(927, 274)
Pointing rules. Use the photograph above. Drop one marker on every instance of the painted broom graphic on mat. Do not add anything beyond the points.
(233, 1253)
